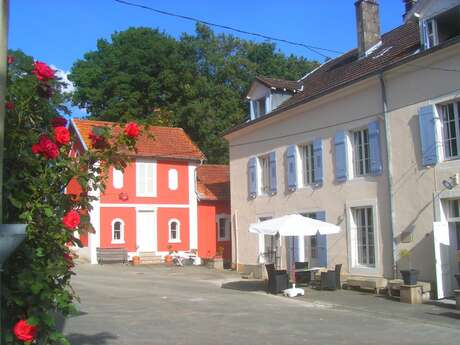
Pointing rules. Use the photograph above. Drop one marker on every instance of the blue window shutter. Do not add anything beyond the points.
(318, 160)
(428, 135)
(340, 156)
(291, 167)
(321, 242)
(272, 172)
(252, 177)
(374, 148)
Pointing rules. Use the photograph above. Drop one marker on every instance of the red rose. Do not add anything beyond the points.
(69, 259)
(71, 220)
(48, 148)
(43, 71)
(24, 332)
(10, 59)
(131, 130)
(61, 135)
(9, 105)
(58, 122)
(36, 149)
(98, 141)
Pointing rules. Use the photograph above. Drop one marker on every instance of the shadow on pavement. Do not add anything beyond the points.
(94, 339)
(245, 285)
(451, 315)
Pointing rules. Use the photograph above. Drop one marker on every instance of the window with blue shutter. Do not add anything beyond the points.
(291, 167)
(272, 172)
(318, 161)
(374, 148)
(321, 242)
(252, 177)
(341, 156)
(428, 135)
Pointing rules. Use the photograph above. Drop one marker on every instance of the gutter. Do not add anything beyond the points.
(390, 171)
(78, 134)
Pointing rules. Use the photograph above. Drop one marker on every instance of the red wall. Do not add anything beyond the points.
(164, 194)
(128, 215)
(163, 217)
(206, 230)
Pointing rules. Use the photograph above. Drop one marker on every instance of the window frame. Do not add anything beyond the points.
(256, 105)
(312, 240)
(263, 162)
(445, 128)
(143, 192)
(173, 179)
(433, 34)
(122, 231)
(353, 263)
(306, 153)
(226, 218)
(177, 239)
(357, 159)
(117, 178)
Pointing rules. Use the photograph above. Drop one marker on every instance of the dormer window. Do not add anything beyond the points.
(260, 108)
(441, 28)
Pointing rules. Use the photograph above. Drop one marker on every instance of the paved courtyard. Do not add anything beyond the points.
(194, 305)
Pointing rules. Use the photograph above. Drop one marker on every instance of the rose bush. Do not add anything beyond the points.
(40, 161)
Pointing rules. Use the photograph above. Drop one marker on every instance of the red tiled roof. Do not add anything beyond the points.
(213, 182)
(290, 85)
(166, 142)
(397, 45)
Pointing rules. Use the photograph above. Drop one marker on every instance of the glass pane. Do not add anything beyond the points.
(117, 226)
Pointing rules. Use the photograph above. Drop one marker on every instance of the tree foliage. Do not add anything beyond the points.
(197, 82)
(37, 276)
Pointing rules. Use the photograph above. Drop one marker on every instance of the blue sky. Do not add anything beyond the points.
(61, 31)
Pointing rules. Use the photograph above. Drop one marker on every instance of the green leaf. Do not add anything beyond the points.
(33, 320)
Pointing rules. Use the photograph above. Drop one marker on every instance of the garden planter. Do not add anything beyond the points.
(168, 260)
(457, 276)
(136, 260)
(409, 276)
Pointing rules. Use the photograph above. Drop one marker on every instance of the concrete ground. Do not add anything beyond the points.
(149, 305)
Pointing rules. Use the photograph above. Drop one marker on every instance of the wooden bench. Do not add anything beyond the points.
(112, 255)
(367, 283)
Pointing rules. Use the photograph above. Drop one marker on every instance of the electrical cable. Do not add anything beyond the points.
(313, 49)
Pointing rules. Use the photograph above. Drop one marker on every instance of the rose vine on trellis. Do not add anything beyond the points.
(41, 158)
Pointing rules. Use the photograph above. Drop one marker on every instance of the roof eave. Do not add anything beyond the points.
(407, 59)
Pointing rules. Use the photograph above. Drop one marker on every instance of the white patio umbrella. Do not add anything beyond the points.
(293, 225)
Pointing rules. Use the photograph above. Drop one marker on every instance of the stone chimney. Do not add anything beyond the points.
(367, 24)
(408, 4)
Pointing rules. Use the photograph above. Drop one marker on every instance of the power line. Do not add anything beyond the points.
(335, 124)
(313, 49)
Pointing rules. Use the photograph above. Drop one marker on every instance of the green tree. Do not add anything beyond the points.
(198, 81)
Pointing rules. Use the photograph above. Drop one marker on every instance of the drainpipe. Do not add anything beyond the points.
(390, 171)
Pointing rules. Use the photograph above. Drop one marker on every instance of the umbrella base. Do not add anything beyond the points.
(293, 292)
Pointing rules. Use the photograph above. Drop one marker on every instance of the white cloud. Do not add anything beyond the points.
(63, 75)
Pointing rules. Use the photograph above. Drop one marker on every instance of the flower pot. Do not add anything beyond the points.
(136, 260)
(409, 276)
(457, 276)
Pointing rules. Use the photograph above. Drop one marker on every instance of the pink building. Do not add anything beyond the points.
(153, 206)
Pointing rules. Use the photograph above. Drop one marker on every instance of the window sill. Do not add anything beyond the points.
(174, 241)
(450, 162)
(146, 195)
(117, 242)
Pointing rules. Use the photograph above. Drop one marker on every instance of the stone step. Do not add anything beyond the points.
(149, 258)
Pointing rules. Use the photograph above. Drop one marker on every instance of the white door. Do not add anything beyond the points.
(146, 231)
(442, 258)
(454, 240)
